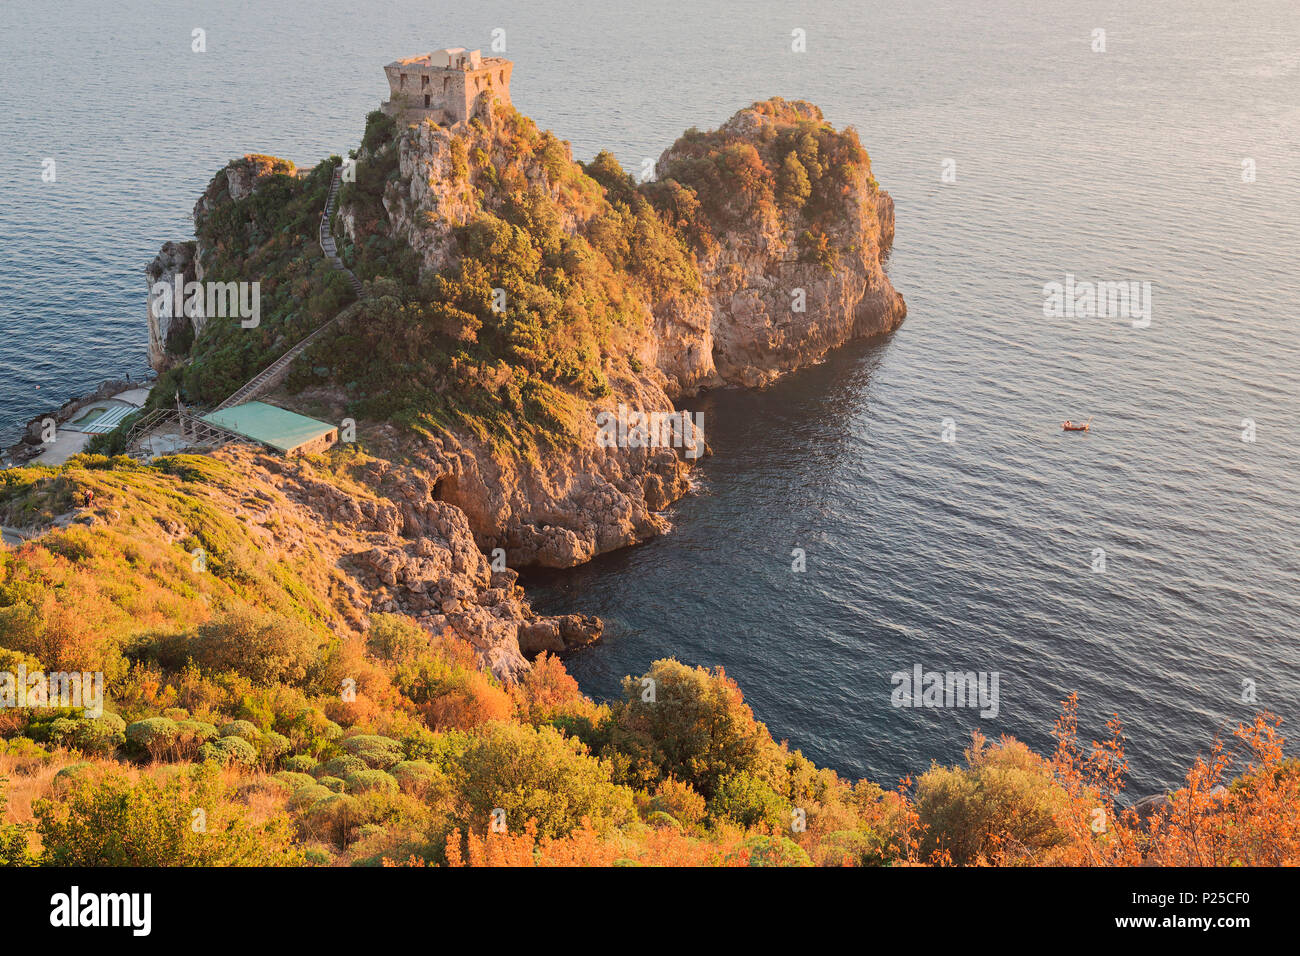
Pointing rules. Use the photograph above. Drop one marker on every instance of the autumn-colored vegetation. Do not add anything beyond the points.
(796, 169)
(242, 751)
(252, 720)
(584, 253)
(306, 736)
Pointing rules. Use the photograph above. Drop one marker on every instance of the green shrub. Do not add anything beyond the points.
(73, 772)
(1005, 797)
(307, 795)
(680, 801)
(265, 648)
(775, 851)
(334, 817)
(341, 766)
(530, 773)
(193, 734)
(228, 750)
(697, 728)
(300, 763)
(14, 850)
(417, 776)
(333, 784)
(272, 746)
(370, 831)
(364, 780)
(24, 750)
(749, 803)
(155, 737)
(113, 722)
(851, 847)
(100, 736)
(295, 780)
(59, 731)
(313, 733)
(240, 728)
(123, 822)
(379, 753)
(395, 638)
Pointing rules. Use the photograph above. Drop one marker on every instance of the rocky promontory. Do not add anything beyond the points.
(789, 232)
(740, 262)
(514, 299)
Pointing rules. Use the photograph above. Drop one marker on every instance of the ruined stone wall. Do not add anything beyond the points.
(446, 96)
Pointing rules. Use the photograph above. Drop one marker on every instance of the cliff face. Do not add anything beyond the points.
(169, 335)
(730, 270)
(790, 233)
(515, 300)
(572, 499)
(563, 511)
(402, 550)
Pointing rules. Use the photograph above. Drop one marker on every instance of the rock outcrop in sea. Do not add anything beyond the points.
(759, 247)
(774, 304)
(170, 335)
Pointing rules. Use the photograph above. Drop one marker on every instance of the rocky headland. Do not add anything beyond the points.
(513, 296)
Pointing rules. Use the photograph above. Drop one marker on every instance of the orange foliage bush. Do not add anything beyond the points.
(1253, 822)
(586, 847)
(547, 690)
(467, 700)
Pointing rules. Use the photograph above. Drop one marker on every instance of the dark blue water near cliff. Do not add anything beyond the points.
(969, 555)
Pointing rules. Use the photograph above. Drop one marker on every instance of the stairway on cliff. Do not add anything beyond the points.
(275, 373)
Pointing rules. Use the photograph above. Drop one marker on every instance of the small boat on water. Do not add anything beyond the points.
(1070, 426)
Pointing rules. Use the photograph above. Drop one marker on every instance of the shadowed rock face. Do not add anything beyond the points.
(168, 342)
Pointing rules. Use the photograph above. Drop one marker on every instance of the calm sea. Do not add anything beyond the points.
(976, 554)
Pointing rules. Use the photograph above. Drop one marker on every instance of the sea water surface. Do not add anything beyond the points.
(970, 555)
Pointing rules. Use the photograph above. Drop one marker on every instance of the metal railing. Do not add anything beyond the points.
(193, 431)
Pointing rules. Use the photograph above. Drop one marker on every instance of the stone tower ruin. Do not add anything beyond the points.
(445, 86)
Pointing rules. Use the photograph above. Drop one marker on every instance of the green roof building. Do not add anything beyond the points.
(288, 432)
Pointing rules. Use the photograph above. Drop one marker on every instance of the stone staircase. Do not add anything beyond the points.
(275, 373)
(327, 237)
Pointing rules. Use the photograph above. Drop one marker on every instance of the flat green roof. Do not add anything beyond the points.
(269, 425)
